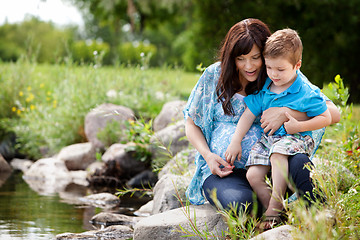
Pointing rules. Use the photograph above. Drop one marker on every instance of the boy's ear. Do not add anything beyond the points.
(298, 65)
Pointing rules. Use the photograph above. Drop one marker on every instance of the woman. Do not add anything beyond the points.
(215, 106)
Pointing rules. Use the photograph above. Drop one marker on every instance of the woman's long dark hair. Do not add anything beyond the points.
(239, 41)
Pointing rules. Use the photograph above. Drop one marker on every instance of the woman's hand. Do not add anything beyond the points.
(197, 139)
(214, 162)
(272, 119)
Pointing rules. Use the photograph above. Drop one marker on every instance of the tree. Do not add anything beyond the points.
(156, 21)
(327, 29)
(38, 40)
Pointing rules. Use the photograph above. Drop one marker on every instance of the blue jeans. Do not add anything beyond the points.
(236, 190)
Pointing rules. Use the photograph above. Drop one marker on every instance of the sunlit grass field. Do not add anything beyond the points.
(46, 104)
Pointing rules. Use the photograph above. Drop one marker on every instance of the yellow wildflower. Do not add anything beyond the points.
(28, 88)
(18, 111)
(13, 109)
(21, 93)
(30, 97)
(48, 93)
(42, 85)
(337, 78)
(32, 107)
(54, 103)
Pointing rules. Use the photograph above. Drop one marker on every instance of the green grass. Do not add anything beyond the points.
(356, 113)
(46, 104)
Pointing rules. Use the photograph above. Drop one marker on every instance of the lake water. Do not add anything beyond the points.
(24, 214)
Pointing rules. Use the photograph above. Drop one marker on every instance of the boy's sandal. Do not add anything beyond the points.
(269, 222)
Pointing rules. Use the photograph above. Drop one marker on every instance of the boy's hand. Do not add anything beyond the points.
(234, 150)
(292, 126)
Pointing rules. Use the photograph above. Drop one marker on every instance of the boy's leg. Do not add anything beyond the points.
(279, 175)
(256, 177)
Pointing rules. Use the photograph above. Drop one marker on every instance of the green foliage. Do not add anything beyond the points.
(111, 133)
(87, 51)
(134, 53)
(37, 40)
(139, 132)
(55, 99)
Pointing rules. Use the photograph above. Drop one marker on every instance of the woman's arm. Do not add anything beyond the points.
(294, 126)
(273, 118)
(334, 112)
(197, 139)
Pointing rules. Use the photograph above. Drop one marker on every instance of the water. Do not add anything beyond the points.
(24, 214)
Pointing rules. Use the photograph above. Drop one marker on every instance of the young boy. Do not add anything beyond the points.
(285, 87)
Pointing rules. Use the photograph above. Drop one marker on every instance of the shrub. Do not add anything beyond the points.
(134, 53)
(87, 51)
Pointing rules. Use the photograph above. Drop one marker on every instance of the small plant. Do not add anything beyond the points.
(352, 148)
(111, 133)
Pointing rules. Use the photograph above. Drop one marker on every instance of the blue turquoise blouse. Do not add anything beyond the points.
(207, 113)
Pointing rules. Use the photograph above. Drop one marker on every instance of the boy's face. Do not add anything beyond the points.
(281, 71)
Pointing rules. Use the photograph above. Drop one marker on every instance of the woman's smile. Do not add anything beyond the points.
(251, 73)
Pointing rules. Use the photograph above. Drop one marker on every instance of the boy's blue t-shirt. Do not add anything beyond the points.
(300, 96)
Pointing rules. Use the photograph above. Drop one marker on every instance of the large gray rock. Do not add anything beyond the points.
(102, 200)
(182, 164)
(118, 232)
(99, 117)
(21, 164)
(145, 210)
(121, 163)
(50, 175)
(278, 233)
(145, 179)
(171, 112)
(169, 141)
(78, 156)
(108, 218)
(4, 166)
(166, 225)
(5, 170)
(167, 192)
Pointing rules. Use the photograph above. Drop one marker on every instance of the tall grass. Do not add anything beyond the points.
(45, 105)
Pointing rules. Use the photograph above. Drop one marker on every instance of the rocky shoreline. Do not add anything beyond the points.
(166, 216)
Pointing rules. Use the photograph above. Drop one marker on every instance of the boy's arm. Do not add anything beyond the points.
(294, 126)
(242, 127)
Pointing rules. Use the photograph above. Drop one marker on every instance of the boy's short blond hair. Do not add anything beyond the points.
(284, 43)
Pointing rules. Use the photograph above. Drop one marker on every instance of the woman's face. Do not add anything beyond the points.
(249, 65)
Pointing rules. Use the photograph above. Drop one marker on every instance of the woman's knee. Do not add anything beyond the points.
(299, 162)
(228, 192)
